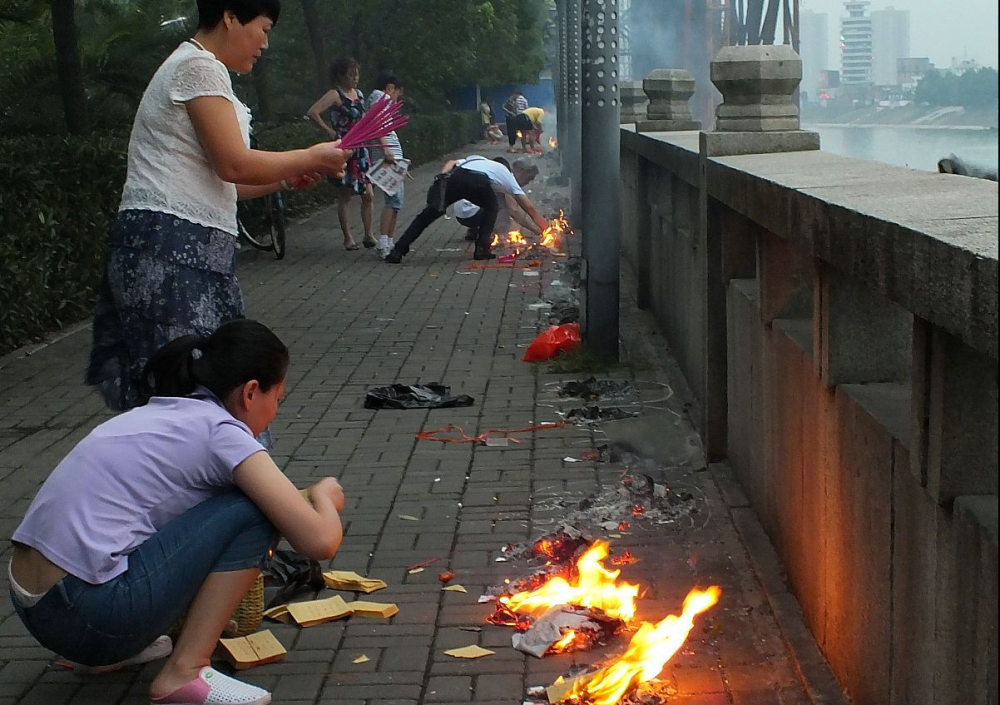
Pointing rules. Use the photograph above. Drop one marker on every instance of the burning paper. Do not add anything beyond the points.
(564, 629)
(648, 652)
(594, 586)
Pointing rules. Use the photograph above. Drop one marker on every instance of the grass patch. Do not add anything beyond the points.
(582, 361)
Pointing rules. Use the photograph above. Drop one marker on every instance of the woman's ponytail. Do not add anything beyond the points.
(239, 351)
(170, 371)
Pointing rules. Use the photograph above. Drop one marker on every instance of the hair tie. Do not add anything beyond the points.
(196, 354)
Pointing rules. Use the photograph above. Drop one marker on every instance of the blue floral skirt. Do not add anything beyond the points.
(164, 277)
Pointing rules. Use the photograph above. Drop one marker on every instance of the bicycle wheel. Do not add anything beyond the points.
(276, 207)
(254, 225)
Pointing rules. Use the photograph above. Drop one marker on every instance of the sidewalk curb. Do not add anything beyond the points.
(48, 340)
(813, 670)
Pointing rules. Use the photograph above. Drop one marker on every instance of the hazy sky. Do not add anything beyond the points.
(939, 29)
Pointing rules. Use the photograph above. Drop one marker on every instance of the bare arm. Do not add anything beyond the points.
(330, 99)
(519, 217)
(386, 152)
(312, 526)
(449, 166)
(528, 207)
(244, 193)
(218, 130)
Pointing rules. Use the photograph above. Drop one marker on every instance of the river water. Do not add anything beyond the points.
(918, 148)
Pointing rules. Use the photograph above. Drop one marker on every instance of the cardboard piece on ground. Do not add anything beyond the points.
(308, 614)
(254, 650)
(361, 659)
(349, 580)
(454, 588)
(373, 609)
(279, 614)
(561, 689)
(469, 652)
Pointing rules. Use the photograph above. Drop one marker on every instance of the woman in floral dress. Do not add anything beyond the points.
(345, 104)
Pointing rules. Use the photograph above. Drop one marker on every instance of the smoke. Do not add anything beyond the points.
(675, 34)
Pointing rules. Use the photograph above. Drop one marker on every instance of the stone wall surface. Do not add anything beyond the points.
(850, 310)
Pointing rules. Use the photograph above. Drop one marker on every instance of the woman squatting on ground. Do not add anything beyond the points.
(170, 509)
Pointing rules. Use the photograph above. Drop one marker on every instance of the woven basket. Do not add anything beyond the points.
(247, 617)
(249, 613)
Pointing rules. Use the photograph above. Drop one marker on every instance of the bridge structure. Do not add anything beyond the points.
(836, 322)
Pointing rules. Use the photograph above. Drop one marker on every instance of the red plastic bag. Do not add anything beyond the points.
(555, 340)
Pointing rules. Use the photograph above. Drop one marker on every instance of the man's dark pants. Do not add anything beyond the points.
(462, 184)
(519, 122)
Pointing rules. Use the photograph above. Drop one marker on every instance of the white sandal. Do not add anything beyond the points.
(214, 688)
(160, 648)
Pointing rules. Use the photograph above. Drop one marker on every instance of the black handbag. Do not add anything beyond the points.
(437, 194)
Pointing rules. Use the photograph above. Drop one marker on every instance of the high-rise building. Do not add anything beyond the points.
(856, 44)
(890, 43)
(814, 48)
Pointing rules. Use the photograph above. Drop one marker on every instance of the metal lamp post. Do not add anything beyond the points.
(601, 162)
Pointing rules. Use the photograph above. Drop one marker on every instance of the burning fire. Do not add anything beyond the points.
(648, 652)
(520, 135)
(553, 142)
(552, 236)
(565, 643)
(595, 587)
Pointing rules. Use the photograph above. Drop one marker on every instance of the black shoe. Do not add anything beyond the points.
(483, 255)
(393, 257)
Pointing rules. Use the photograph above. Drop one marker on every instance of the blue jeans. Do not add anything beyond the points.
(98, 625)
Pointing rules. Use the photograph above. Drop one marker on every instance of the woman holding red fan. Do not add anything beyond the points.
(346, 106)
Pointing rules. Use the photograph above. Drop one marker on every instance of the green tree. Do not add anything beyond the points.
(975, 88)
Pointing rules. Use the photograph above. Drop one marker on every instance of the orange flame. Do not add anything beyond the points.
(553, 142)
(648, 652)
(552, 235)
(595, 586)
(496, 240)
(514, 237)
(564, 643)
(520, 135)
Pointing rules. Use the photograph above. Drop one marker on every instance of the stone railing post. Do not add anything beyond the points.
(669, 91)
(758, 115)
(634, 102)
(758, 85)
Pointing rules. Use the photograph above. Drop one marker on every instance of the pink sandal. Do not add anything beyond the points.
(214, 688)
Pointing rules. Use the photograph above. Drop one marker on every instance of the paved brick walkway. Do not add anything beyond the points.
(351, 322)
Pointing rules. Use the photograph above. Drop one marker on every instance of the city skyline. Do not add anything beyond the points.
(965, 29)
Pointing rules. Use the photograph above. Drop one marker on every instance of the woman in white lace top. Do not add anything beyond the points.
(170, 267)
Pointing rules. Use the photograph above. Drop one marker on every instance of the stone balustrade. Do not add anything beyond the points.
(836, 322)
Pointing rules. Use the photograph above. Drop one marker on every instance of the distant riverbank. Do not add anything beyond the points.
(913, 116)
(873, 125)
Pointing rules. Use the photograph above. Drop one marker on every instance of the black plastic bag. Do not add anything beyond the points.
(415, 396)
(289, 575)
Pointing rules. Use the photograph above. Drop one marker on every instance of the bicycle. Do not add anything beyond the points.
(261, 223)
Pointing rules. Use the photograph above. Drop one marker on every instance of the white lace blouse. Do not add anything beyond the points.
(168, 170)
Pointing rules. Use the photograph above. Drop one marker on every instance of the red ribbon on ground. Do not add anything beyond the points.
(481, 438)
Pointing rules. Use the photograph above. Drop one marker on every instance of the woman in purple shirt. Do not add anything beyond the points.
(169, 508)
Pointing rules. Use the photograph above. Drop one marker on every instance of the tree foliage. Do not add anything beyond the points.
(975, 88)
(436, 49)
